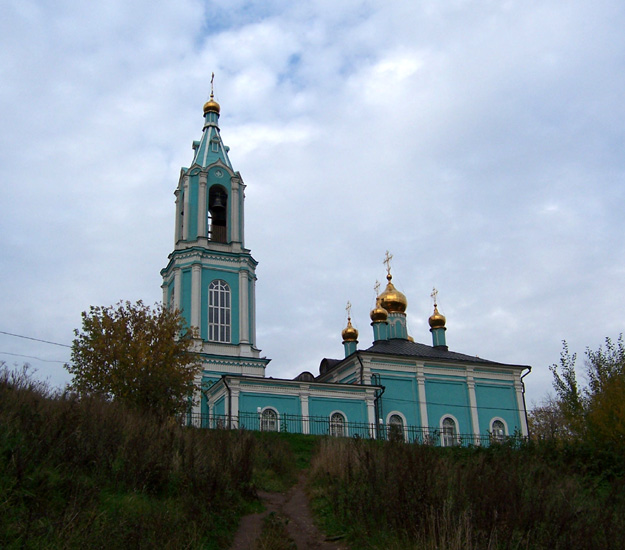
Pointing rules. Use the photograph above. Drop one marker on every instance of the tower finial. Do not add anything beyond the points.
(387, 261)
(434, 295)
(211, 106)
(348, 308)
(376, 287)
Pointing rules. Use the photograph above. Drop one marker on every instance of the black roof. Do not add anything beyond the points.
(407, 348)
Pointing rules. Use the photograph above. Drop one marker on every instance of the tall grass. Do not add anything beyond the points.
(91, 473)
(393, 495)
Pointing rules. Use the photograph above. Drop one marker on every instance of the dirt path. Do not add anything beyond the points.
(292, 505)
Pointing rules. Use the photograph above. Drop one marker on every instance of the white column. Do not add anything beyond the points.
(234, 211)
(197, 403)
(164, 287)
(244, 312)
(518, 387)
(202, 208)
(253, 312)
(196, 299)
(177, 235)
(371, 414)
(242, 211)
(303, 399)
(234, 408)
(177, 287)
(423, 406)
(473, 404)
(187, 210)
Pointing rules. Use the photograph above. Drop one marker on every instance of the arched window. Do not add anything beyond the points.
(269, 420)
(395, 428)
(219, 311)
(497, 430)
(449, 432)
(217, 214)
(337, 425)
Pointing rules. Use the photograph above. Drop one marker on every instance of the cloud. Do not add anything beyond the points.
(480, 142)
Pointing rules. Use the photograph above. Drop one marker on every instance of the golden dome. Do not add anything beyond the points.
(211, 106)
(350, 334)
(437, 320)
(410, 338)
(391, 299)
(378, 313)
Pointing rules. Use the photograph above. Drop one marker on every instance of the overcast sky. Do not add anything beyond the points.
(480, 142)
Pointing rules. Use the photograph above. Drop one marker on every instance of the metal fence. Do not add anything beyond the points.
(321, 425)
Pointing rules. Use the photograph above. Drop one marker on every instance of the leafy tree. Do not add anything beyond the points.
(135, 354)
(571, 399)
(547, 421)
(597, 410)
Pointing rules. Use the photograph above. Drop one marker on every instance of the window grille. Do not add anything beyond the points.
(219, 312)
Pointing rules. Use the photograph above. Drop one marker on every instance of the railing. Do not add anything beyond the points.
(321, 425)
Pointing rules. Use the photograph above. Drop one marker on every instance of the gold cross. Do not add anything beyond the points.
(434, 295)
(212, 80)
(387, 262)
(348, 308)
(376, 287)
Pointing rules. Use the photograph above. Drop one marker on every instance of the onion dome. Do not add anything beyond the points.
(437, 320)
(350, 334)
(391, 299)
(410, 338)
(211, 106)
(378, 313)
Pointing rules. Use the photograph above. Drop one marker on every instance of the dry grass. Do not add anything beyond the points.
(92, 473)
(407, 496)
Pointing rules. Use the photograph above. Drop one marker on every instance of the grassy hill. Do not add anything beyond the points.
(91, 474)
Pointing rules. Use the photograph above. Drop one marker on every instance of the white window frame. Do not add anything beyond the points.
(498, 437)
(447, 440)
(262, 420)
(219, 312)
(343, 426)
(403, 420)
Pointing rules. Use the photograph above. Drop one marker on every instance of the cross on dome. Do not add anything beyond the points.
(387, 261)
(434, 295)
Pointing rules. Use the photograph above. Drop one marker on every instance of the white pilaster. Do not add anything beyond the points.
(196, 302)
(253, 311)
(177, 235)
(423, 406)
(518, 387)
(371, 414)
(235, 234)
(242, 211)
(244, 311)
(473, 405)
(187, 209)
(235, 406)
(202, 208)
(177, 287)
(303, 399)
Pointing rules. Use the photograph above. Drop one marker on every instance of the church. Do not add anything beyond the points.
(394, 388)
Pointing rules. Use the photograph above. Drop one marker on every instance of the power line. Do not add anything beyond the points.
(32, 357)
(34, 339)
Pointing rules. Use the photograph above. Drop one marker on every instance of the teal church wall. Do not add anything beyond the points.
(496, 401)
(185, 299)
(354, 410)
(401, 394)
(448, 397)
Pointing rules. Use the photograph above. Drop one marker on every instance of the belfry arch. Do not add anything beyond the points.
(218, 214)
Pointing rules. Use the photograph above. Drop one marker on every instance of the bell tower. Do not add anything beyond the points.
(211, 276)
